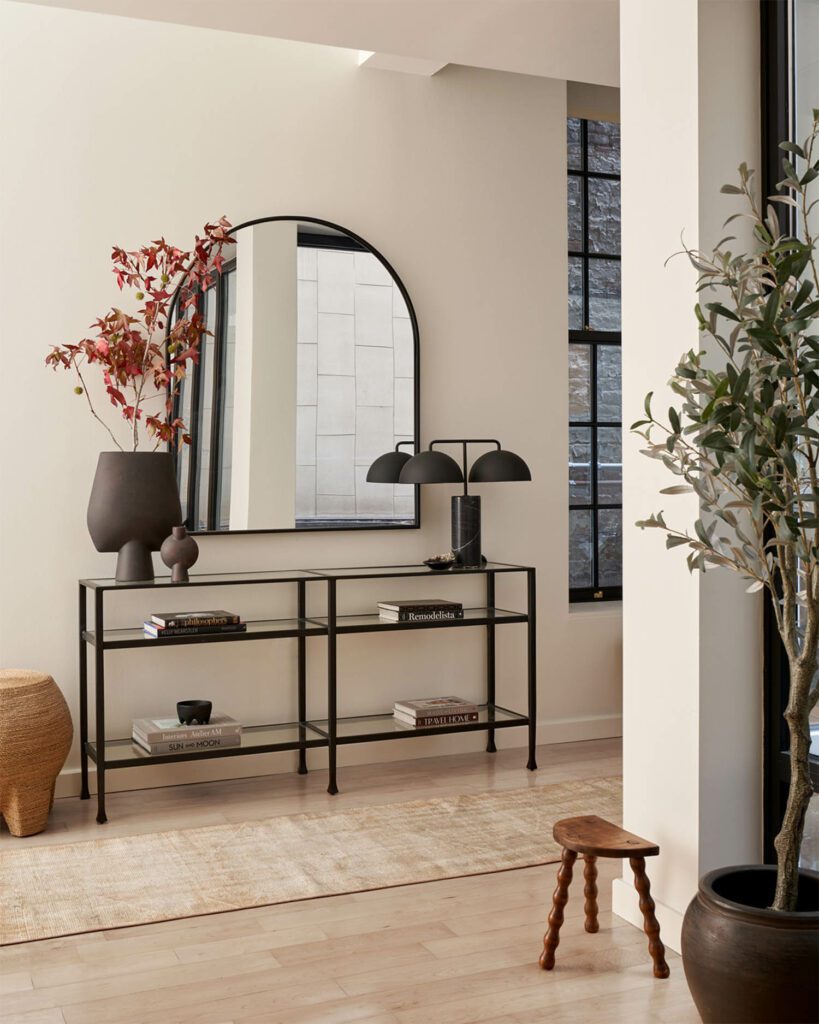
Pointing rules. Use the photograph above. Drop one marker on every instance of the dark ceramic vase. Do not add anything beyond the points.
(179, 552)
(134, 504)
(744, 963)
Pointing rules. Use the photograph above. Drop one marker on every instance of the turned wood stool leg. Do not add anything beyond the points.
(651, 927)
(590, 893)
(559, 899)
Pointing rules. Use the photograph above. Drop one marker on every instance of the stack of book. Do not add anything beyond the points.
(167, 736)
(165, 624)
(420, 611)
(435, 711)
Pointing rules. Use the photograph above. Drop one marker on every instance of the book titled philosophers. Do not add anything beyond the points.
(167, 736)
(156, 632)
(428, 610)
(179, 620)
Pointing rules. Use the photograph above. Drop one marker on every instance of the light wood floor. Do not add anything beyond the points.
(449, 952)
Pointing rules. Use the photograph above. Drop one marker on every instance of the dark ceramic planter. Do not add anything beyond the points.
(746, 964)
(133, 507)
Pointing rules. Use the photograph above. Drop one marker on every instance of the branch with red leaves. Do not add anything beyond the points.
(143, 357)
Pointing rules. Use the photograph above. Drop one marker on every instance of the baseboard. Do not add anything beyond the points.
(624, 904)
(555, 730)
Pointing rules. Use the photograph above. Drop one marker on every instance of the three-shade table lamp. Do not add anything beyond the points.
(436, 467)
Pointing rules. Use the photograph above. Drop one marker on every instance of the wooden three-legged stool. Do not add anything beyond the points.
(593, 837)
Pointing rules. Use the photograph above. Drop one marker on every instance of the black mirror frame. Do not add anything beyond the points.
(366, 246)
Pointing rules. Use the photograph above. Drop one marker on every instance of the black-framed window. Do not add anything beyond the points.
(787, 31)
(595, 390)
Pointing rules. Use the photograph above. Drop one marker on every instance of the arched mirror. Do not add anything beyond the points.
(310, 373)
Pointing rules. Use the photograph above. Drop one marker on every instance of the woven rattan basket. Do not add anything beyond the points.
(35, 737)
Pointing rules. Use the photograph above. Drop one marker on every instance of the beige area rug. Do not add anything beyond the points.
(47, 891)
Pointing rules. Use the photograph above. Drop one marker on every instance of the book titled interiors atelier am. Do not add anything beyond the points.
(165, 730)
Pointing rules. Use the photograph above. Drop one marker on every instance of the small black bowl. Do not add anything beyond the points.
(192, 712)
(439, 564)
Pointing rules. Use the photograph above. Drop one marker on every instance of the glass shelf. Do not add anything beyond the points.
(377, 571)
(256, 739)
(363, 728)
(261, 629)
(211, 579)
(373, 623)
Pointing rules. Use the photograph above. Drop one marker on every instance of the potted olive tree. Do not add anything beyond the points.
(142, 358)
(745, 438)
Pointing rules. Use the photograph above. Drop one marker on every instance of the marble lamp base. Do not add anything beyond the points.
(466, 529)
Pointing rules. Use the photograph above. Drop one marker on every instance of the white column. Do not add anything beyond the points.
(689, 100)
(263, 482)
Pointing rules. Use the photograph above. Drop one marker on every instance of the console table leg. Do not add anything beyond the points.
(302, 658)
(332, 710)
(99, 708)
(83, 622)
(531, 630)
(490, 663)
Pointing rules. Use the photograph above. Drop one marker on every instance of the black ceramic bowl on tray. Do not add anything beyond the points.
(194, 711)
(439, 564)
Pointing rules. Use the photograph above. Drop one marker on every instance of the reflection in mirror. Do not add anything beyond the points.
(309, 374)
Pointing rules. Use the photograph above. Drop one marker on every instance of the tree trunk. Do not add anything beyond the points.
(789, 840)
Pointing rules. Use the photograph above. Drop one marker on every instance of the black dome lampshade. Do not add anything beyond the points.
(497, 466)
(431, 467)
(387, 468)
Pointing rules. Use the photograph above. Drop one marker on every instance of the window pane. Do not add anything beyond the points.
(610, 545)
(573, 134)
(580, 549)
(575, 293)
(809, 852)
(609, 465)
(604, 146)
(201, 435)
(184, 411)
(609, 384)
(580, 454)
(580, 382)
(575, 202)
(229, 357)
(604, 216)
(604, 295)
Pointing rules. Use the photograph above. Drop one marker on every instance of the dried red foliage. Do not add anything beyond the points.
(140, 358)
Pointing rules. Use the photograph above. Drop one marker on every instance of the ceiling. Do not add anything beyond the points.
(576, 40)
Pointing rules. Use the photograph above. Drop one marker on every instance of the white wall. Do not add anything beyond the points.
(692, 644)
(459, 180)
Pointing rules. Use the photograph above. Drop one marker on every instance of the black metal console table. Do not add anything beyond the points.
(306, 733)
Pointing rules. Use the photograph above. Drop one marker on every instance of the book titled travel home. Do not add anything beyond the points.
(426, 721)
(183, 746)
(155, 632)
(165, 730)
(427, 610)
(177, 620)
(435, 707)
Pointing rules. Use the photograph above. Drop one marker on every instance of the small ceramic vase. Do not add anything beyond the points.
(179, 552)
